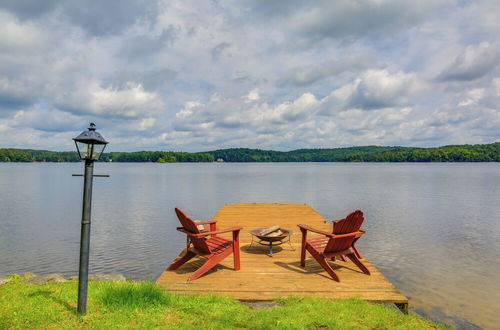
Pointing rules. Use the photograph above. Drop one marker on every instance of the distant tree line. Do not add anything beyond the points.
(27, 155)
(157, 157)
(453, 153)
(456, 153)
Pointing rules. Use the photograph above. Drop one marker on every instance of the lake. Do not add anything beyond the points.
(432, 229)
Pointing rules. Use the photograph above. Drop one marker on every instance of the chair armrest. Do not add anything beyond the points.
(206, 222)
(208, 233)
(314, 230)
(309, 228)
(361, 232)
(355, 234)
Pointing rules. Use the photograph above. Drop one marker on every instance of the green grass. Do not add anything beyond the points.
(143, 305)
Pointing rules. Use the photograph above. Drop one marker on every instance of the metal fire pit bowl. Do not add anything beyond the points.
(270, 241)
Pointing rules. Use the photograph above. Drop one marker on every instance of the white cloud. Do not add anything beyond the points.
(131, 101)
(306, 75)
(253, 95)
(146, 123)
(347, 20)
(474, 62)
(472, 97)
(49, 120)
(17, 93)
(276, 125)
(18, 37)
(380, 89)
(205, 75)
(374, 89)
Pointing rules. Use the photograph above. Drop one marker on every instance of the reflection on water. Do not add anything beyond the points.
(433, 229)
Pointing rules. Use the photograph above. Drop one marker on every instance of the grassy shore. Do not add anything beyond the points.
(144, 305)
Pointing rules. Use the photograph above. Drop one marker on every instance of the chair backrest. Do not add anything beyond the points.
(336, 244)
(189, 225)
(349, 224)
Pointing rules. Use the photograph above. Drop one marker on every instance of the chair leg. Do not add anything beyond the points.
(209, 264)
(358, 263)
(303, 256)
(181, 261)
(303, 248)
(342, 258)
(322, 261)
(236, 254)
(358, 254)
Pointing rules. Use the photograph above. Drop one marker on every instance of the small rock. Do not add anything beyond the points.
(35, 280)
(51, 278)
(57, 277)
(4, 280)
(107, 277)
(28, 275)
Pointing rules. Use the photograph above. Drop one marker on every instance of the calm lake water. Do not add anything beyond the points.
(432, 229)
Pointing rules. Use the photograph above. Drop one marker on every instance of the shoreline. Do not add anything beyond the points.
(111, 299)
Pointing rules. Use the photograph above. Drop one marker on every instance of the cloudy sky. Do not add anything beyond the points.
(200, 75)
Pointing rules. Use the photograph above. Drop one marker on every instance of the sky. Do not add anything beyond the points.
(202, 75)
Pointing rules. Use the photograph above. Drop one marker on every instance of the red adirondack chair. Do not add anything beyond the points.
(206, 244)
(350, 224)
(329, 247)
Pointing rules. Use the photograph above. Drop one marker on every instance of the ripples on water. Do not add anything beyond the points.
(433, 229)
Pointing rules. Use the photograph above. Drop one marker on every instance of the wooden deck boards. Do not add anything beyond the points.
(265, 278)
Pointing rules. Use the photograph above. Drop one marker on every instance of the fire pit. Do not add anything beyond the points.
(284, 237)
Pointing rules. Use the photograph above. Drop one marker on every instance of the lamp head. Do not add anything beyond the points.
(90, 144)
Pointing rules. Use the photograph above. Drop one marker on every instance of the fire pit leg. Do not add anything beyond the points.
(251, 243)
(270, 249)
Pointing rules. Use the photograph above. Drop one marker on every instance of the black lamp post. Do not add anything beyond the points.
(90, 145)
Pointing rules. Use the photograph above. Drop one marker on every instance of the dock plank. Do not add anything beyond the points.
(265, 278)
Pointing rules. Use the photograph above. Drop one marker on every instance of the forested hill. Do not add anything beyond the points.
(455, 153)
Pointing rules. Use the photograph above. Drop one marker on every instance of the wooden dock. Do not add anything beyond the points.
(267, 278)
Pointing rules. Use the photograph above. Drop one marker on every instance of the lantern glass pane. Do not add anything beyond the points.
(89, 151)
(82, 150)
(97, 151)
